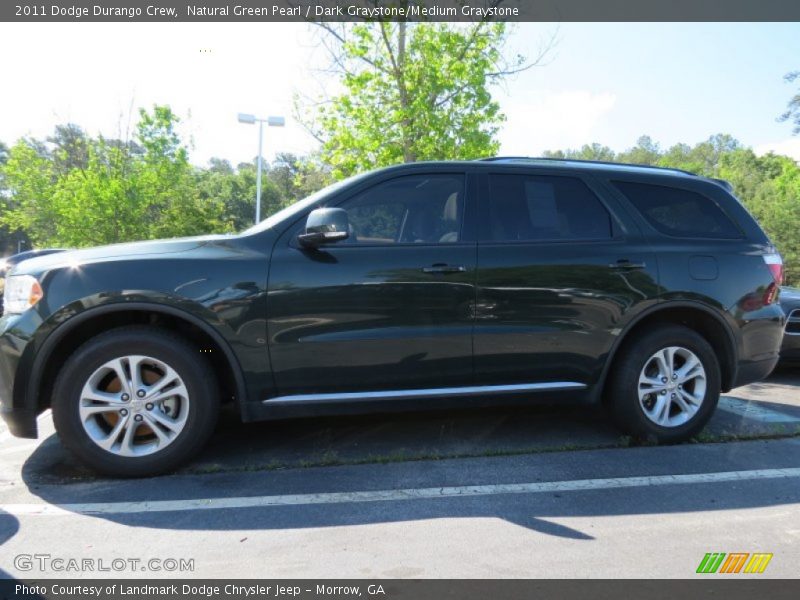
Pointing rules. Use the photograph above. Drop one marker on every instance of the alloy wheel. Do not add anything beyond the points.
(672, 386)
(134, 406)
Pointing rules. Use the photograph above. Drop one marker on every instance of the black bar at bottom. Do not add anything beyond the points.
(711, 586)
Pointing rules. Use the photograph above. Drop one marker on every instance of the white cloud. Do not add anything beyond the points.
(790, 147)
(553, 120)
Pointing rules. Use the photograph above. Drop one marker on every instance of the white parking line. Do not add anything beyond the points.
(113, 508)
(754, 411)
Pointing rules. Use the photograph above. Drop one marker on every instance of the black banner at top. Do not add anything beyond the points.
(396, 10)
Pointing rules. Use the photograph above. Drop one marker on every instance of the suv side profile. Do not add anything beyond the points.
(424, 285)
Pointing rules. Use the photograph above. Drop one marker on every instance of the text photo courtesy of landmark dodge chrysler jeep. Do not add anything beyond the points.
(425, 285)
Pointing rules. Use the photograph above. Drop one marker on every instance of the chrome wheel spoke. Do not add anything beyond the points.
(108, 442)
(119, 366)
(179, 391)
(98, 396)
(163, 437)
(88, 411)
(693, 403)
(662, 414)
(664, 361)
(135, 366)
(126, 445)
(174, 425)
(680, 400)
(654, 384)
(659, 409)
(690, 370)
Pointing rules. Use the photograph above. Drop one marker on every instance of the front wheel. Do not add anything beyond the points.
(665, 385)
(135, 401)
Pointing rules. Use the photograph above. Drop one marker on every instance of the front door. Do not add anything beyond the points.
(390, 308)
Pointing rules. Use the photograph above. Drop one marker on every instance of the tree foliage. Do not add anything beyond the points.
(792, 113)
(410, 92)
(73, 190)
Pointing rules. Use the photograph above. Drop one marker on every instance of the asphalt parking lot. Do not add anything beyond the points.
(524, 492)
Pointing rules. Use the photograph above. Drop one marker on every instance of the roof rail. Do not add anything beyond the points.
(580, 160)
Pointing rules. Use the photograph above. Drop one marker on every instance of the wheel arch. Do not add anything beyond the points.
(694, 315)
(75, 331)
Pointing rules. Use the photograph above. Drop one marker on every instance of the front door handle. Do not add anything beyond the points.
(442, 268)
(624, 263)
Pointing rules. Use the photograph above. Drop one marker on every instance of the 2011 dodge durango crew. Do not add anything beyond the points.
(425, 285)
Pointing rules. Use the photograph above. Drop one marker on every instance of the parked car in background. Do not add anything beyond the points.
(790, 302)
(425, 285)
(9, 261)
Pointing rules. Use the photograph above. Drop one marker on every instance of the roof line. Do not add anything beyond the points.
(579, 160)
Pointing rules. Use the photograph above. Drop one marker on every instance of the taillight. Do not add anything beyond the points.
(775, 265)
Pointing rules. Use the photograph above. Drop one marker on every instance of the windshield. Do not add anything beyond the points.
(298, 207)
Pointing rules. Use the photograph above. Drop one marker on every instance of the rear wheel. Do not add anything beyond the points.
(665, 385)
(135, 401)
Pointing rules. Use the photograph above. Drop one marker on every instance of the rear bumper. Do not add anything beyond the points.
(752, 371)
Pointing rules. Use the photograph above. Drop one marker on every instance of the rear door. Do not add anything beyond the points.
(559, 269)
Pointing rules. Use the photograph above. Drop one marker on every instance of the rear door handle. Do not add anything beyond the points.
(441, 268)
(624, 263)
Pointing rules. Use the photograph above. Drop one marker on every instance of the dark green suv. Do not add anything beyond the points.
(425, 285)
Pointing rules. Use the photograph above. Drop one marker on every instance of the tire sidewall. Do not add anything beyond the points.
(197, 377)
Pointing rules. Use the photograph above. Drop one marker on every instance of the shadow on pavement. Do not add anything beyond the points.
(378, 438)
(533, 511)
(398, 451)
(9, 526)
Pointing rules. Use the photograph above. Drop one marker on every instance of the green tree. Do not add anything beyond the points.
(792, 113)
(645, 152)
(298, 177)
(29, 179)
(70, 148)
(97, 191)
(587, 152)
(411, 91)
(235, 192)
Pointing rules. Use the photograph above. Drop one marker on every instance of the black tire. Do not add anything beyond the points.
(623, 389)
(181, 356)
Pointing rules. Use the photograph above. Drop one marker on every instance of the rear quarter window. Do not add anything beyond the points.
(679, 213)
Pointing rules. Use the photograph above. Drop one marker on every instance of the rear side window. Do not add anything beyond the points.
(679, 213)
(537, 208)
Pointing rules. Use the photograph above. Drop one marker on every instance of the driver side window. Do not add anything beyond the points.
(414, 209)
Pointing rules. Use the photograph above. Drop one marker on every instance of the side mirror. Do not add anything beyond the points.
(325, 226)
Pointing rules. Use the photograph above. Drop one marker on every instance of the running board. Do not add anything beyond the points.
(480, 390)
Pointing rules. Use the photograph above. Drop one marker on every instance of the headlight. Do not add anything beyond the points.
(22, 292)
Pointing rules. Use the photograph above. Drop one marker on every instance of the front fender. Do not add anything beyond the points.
(50, 333)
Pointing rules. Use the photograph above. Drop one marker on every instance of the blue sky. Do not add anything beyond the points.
(674, 82)
(606, 83)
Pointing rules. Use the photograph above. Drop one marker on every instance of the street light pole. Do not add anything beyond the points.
(258, 176)
(271, 122)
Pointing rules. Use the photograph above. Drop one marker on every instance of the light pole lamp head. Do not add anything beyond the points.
(245, 118)
(276, 121)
